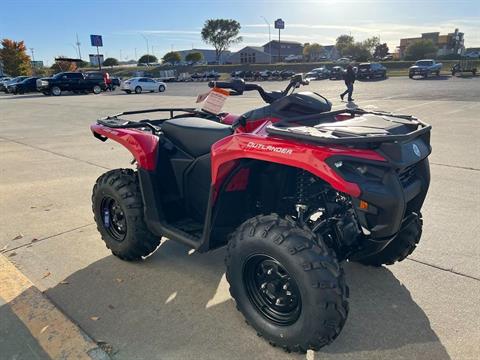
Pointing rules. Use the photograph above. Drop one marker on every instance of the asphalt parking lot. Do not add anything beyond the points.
(175, 305)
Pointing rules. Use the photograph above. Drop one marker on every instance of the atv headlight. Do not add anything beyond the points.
(356, 171)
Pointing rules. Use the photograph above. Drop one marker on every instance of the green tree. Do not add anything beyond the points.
(110, 62)
(371, 43)
(312, 51)
(420, 49)
(194, 57)
(358, 51)
(147, 59)
(172, 57)
(221, 34)
(14, 57)
(381, 50)
(82, 64)
(343, 42)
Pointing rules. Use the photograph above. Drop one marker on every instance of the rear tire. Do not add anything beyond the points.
(287, 283)
(97, 89)
(138, 90)
(118, 211)
(402, 246)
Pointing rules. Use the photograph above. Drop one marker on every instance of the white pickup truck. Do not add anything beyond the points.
(425, 68)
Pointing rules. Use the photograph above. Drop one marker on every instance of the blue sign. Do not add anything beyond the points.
(96, 40)
(279, 24)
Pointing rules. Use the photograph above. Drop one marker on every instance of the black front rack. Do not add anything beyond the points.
(292, 128)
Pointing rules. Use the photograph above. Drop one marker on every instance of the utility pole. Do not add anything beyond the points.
(269, 38)
(33, 58)
(148, 49)
(78, 47)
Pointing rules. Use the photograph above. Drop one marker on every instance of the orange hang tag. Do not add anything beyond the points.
(215, 100)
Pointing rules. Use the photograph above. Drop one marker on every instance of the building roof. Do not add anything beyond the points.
(283, 42)
(256, 48)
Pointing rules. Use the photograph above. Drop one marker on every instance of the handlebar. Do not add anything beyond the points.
(239, 86)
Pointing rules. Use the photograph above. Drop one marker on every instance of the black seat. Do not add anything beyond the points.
(195, 135)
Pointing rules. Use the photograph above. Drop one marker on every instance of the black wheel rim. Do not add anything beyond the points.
(272, 290)
(113, 218)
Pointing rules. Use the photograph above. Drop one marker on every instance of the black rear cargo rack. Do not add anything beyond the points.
(118, 121)
(332, 132)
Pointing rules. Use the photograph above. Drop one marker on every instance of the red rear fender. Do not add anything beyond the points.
(142, 145)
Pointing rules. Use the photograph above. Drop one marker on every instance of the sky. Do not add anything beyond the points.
(50, 26)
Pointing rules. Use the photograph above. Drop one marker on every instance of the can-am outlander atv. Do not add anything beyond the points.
(291, 188)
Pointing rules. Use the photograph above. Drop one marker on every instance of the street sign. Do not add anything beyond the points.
(36, 64)
(96, 59)
(96, 40)
(279, 24)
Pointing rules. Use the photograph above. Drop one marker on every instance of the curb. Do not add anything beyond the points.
(59, 337)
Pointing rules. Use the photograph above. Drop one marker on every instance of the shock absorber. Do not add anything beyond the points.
(301, 188)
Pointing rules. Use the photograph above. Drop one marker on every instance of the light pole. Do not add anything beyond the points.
(269, 38)
(78, 46)
(148, 55)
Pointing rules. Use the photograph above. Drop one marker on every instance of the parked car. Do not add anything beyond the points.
(473, 54)
(287, 74)
(116, 82)
(263, 75)
(318, 74)
(3, 81)
(76, 82)
(238, 74)
(27, 85)
(141, 84)
(387, 58)
(343, 61)
(425, 68)
(293, 58)
(336, 73)
(4, 85)
(371, 70)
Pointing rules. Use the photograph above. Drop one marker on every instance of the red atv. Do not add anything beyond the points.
(291, 188)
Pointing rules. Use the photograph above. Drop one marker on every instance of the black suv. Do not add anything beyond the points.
(72, 81)
(371, 71)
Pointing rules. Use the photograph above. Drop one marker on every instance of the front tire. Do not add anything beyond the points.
(56, 91)
(118, 211)
(161, 88)
(97, 89)
(399, 248)
(287, 283)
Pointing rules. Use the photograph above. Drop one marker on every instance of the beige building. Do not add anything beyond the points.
(452, 43)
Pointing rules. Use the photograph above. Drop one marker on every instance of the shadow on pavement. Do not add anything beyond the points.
(16, 342)
(441, 77)
(176, 306)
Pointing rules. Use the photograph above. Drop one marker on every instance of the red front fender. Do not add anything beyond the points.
(226, 152)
